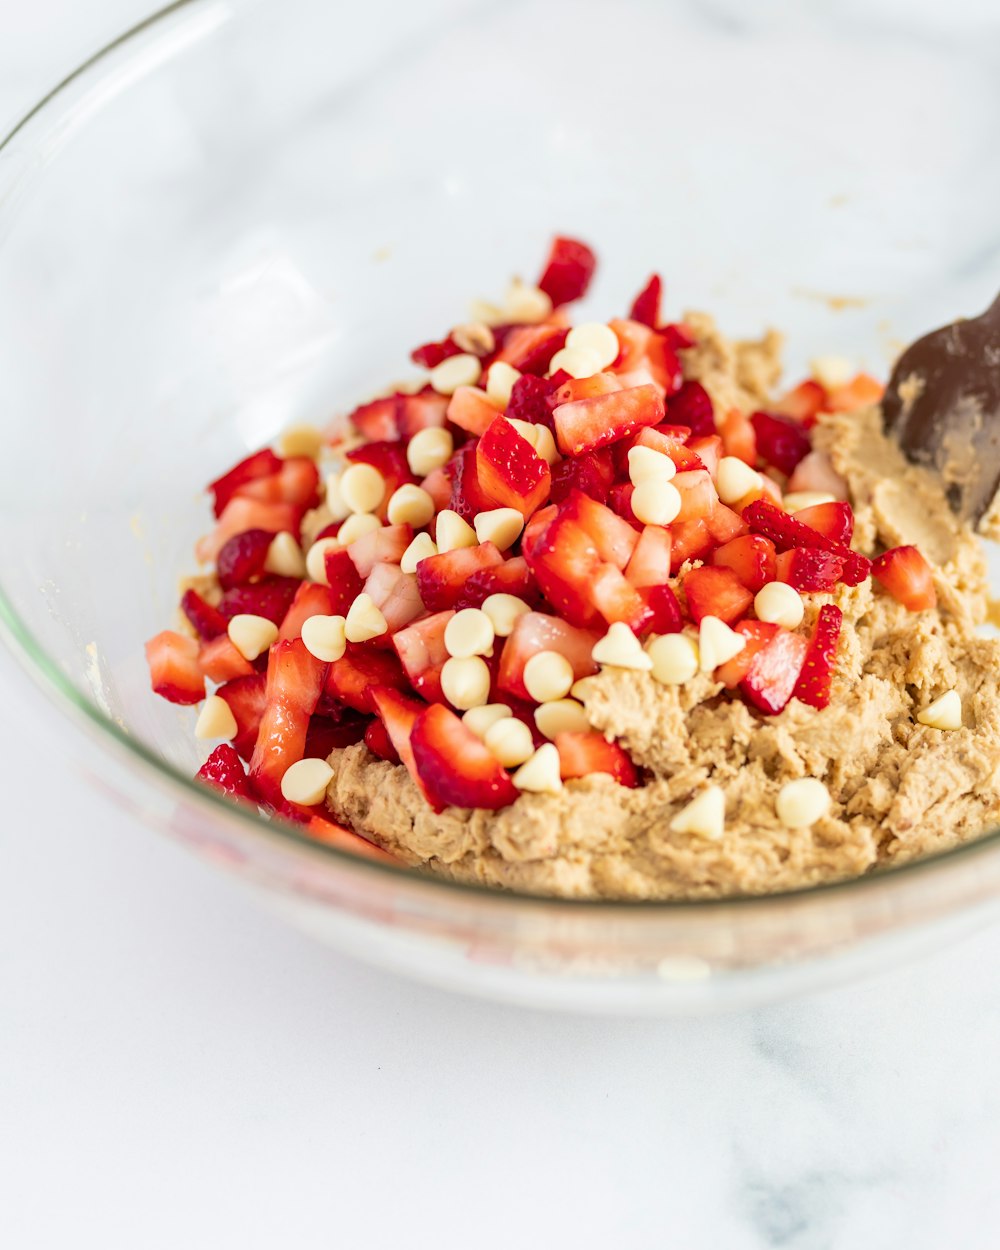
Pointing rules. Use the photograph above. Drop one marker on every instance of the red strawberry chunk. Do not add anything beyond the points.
(832, 520)
(296, 482)
(614, 539)
(422, 652)
(781, 442)
(592, 474)
(690, 540)
(649, 564)
(774, 672)
(206, 620)
(716, 592)
(692, 406)
(398, 713)
(390, 460)
(646, 305)
(242, 558)
(572, 552)
(224, 770)
(510, 472)
(530, 401)
(534, 632)
(583, 754)
(382, 546)
(271, 597)
(377, 420)
(678, 336)
(395, 594)
(724, 524)
(536, 527)
(618, 600)
(861, 391)
(258, 465)
(751, 558)
(423, 411)
(455, 767)
(350, 679)
(294, 685)
(758, 634)
(467, 495)
(670, 441)
(585, 388)
(327, 735)
(247, 698)
(530, 348)
(346, 582)
(377, 741)
(220, 660)
(620, 502)
(698, 495)
(311, 599)
(174, 671)
(664, 610)
(709, 450)
(320, 829)
(802, 402)
(430, 355)
(513, 577)
(441, 579)
(810, 569)
(786, 532)
(813, 685)
(438, 485)
(589, 423)
(907, 576)
(738, 436)
(471, 409)
(242, 514)
(568, 270)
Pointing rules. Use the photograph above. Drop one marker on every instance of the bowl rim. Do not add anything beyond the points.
(46, 674)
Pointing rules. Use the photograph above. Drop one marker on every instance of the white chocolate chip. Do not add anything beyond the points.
(500, 526)
(316, 559)
(456, 371)
(735, 479)
(582, 689)
(540, 773)
(561, 716)
(338, 510)
(796, 500)
(422, 548)
(216, 719)
(362, 487)
(469, 632)
(779, 604)
(357, 526)
(598, 340)
(675, 658)
(802, 802)
(527, 304)
(428, 450)
(656, 502)
(489, 314)
(509, 741)
(364, 620)
(301, 440)
(705, 815)
(646, 464)
(410, 505)
(832, 371)
(474, 337)
(465, 682)
(479, 719)
(453, 533)
(325, 637)
(547, 676)
(251, 635)
(943, 713)
(717, 643)
(576, 362)
(619, 648)
(305, 782)
(284, 556)
(503, 610)
(500, 381)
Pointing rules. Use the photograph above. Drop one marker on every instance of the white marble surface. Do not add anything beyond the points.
(178, 1069)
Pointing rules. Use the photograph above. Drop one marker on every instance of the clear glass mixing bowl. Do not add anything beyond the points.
(244, 214)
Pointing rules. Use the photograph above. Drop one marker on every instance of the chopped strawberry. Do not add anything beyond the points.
(583, 754)
(692, 406)
(665, 612)
(529, 401)
(208, 622)
(530, 348)
(398, 713)
(345, 581)
(907, 576)
(320, 829)
(585, 388)
(311, 599)
(810, 569)
(350, 679)
(646, 305)
(644, 351)
(678, 336)
(512, 577)
(294, 685)
(588, 423)
(832, 520)
(534, 632)
(395, 594)
(813, 685)
(716, 592)
(781, 441)
(455, 767)
(377, 741)
(377, 420)
(690, 540)
(442, 578)
(242, 514)
(326, 735)
(724, 524)
(616, 599)
(786, 532)
(271, 597)
(803, 402)
(221, 661)
(709, 450)
(774, 672)
(510, 471)
(816, 473)
(423, 411)
(242, 558)
(429, 355)
(390, 460)
(752, 559)
(536, 527)
(568, 271)
(224, 770)
(862, 391)
(258, 465)
(247, 699)
(757, 634)
(422, 652)
(592, 473)
(699, 497)
(739, 437)
(468, 498)
(381, 546)
(670, 441)
(620, 502)
(296, 482)
(649, 564)
(472, 409)
(174, 671)
(438, 485)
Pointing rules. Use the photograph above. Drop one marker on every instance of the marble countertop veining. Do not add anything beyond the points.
(178, 1068)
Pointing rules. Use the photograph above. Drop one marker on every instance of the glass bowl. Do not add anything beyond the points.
(242, 215)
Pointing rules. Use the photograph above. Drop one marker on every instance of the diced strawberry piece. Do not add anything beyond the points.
(224, 770)
(206, 620)
(422, 652)
(423, 411)
(860, 392)
(530, 348)
(709, 450)
(534, 632)
(678, 336)
(294, 685)
(692, 406)
(455, 767)
(690, 540)
(221, 661)
(326, 735)
(568, 270)
(320, 829)
(345, 581)
(832, 520)
(664, 611)
(751, 558)
(430, 355)
(649, 564)
(398, 713)
(592, 474)
(381, 546)
(390, 460)
(813, 685)
(242, 558)
(774, 672)
(815, 472)
(724, 524)
(739, 437)
(614, 538)
(585, 388)
(512, 577)
(717, 592)
(536, 527)
(583, 754)
(589, 423)
(350, 679)
(620, 502)
(377, 420)
(530, 401)
(803, 402)
(646, 305)
(810, 569)
(395, 594)
(669, 441)
(242, 514)
(377, 741)
(247, 698)
(441, 579)
(271, 597)
(311, 599)
(781, 441)
(617, 599)
(698, 495)
(472, 409)
(438, 485)
(467, 495)
(786, 532)
(296, 482)
(258, 465)
(510, 471)
(907, 576)
(757, 634)
(643, 349)
(174, 671)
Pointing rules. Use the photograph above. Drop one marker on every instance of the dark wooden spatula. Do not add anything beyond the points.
(942, 406)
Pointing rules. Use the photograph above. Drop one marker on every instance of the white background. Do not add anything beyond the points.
(179, 1070)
